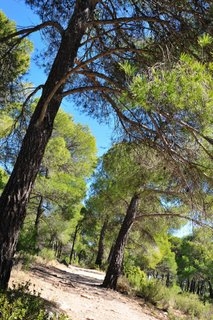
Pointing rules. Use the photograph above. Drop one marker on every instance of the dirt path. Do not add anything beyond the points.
(76, 292)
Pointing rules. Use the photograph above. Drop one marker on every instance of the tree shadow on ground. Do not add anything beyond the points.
(56, 276)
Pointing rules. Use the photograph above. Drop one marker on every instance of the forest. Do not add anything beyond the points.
(149, 66)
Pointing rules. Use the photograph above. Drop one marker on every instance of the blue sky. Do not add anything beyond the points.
(17, 10)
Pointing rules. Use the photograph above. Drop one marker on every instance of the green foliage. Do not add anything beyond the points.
(187, 86)
(56, 147)
(205, 40)
(127, 168)
(172, 299)
(167, 262)
(154, 291)
(14, 55)
(47, 254)
(191, 305)
(27, 240)
(3, 178)
(175, 100)
(195, 262)
(5, 124)
(21, 303)
(136, 276)
(128, 68)
(80, 143)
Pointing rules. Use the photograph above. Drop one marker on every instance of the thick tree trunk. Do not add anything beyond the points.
(100, 255)
(115, 266)
(15, 196)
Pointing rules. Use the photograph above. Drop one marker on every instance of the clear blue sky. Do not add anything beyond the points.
(17, 10)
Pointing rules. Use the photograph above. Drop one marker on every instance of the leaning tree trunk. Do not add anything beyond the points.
(15, 196)
(99, 258)
(115, 266)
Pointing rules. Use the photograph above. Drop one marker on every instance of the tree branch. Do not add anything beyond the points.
(151, 215)
(88, 88)
(32, 94)
(123, 20)
(26, 31)
(91, 74)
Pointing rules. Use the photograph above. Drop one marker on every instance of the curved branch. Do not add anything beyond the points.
(82, 64)
(202, 146)
(32, 94)
(92, 74)
(26, 31)
(88, 88)
(23, 107)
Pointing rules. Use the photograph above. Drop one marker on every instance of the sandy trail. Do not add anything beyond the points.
(76, 292)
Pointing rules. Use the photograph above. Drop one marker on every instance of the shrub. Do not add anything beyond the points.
(192, 306)
(47, 254)
(136, 276)
(20, 303)
(154, 291)
(179, 305)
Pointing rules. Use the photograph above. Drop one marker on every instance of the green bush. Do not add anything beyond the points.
(136, 276)
(165, 298)
(27, 241)
(154, 291)
(179, 305)
(192, 306)
(47, 254)
(20, 303)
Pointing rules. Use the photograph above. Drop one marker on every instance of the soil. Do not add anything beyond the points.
(77, 293)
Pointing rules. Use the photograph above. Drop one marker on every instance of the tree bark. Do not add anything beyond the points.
(115, 266)
(99, 258)
(15, 196)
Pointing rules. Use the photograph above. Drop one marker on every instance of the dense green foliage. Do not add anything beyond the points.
(15, 57)
(15, 61)
(20, 303)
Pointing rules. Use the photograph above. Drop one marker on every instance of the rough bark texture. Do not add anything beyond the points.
(114, 269)
(16, 193)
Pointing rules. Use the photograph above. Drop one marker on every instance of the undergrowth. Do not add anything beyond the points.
(170, 299)
(19, 302)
